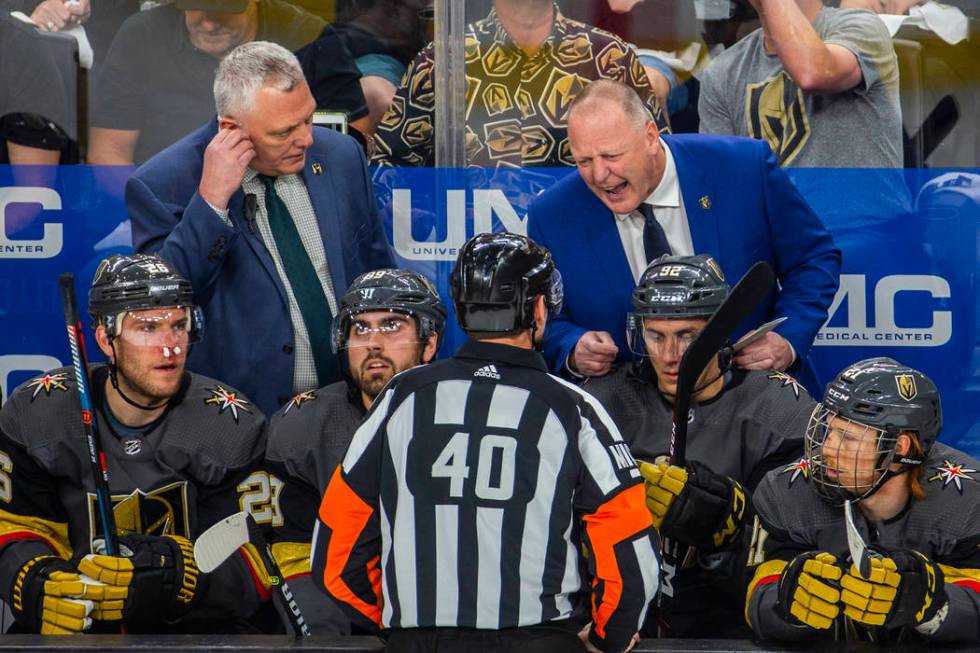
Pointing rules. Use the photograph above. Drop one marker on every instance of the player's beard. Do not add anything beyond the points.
(371, 384)
(135, 380)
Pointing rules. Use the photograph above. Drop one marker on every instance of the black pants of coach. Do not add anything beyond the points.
(531, 639)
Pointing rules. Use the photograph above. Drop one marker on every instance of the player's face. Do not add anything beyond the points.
(850, 455)
(619, 161)
(218, 32)
(666, 341)
(151, 352)
(280, 126)
(381, 344)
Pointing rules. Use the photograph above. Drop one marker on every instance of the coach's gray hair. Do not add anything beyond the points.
(249, 67)
(607, 90)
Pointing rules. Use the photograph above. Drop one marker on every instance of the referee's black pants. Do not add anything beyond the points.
(544, 638)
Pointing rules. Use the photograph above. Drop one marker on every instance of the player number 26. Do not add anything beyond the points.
(451, 464)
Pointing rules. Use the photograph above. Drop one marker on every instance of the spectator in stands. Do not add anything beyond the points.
(101, 21)
(525, 64)
(828, 98)
(270, 218)
(384, 36)
(155, 85)
(36, 111)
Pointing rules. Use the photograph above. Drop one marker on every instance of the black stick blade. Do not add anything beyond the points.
(741, 301)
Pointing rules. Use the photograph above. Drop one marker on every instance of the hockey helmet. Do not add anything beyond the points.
(879, 399)
(137, 282)
(496, 280)
(391, 289)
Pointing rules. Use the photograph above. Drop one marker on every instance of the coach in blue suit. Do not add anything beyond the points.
(205, 205)
(711, 195)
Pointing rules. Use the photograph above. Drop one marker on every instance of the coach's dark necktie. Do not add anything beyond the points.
(654, 239)
(305, 283)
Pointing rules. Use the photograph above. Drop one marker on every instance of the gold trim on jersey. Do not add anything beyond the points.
(765, 570)
(961, 576)
(257, 566)
(52, 532)
(293, 558)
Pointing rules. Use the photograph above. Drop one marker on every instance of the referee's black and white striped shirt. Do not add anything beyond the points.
(464, 497)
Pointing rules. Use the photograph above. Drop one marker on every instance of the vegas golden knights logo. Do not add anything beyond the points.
(906, 386)
(159, 512)
(775, 113)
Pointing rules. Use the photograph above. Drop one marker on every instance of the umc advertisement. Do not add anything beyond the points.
(908, 284)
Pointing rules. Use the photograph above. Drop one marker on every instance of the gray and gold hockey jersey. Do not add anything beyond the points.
(179, 476)
(755, 424)
(944, 526)
(308, 438)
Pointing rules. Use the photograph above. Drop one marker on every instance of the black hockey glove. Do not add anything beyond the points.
(159, 575)
(809, 590)
(904, 588)
(50, 598)
(694, 505)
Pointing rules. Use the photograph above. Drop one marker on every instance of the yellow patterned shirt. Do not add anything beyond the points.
(516, 105)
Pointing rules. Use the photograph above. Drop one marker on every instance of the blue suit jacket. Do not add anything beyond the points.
(248, 340)
(752, 213)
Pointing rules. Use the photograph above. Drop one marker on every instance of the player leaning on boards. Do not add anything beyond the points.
(468, 492)
(873, 442)
(742, 424)
(176, 446)
(389, 320)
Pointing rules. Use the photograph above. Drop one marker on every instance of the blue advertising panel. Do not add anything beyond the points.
(908, 284)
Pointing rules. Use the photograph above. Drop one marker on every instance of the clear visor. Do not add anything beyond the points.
(846, 459)
(169, 327)
(373, 330)
(643, 341)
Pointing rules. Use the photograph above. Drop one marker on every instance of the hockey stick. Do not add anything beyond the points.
(741, 301)
(96, 456)
(221, 540)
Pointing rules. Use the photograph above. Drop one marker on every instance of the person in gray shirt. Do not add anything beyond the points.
(819, 84)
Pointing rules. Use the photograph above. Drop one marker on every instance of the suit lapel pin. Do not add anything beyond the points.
(705, 202)
(317, 169)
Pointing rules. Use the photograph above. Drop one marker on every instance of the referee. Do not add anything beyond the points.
(458, 517)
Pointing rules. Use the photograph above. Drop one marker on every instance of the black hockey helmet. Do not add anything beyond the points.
(139, 282)
(680, 287)
(391, 289)
(496, 280)
(883, 399)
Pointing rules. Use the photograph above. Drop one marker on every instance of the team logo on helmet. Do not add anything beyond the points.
(950, 473)
(49, 382)
(799, 468)
(906, 386)
(713, 265)
(300, 399)
(786, 381)
(226, 400)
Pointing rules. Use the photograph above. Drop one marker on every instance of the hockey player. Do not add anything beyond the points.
(456, 518)
(176, 446)
(389, 320)
(741, 424)
(917, 508)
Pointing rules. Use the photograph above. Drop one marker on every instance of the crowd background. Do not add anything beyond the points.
(140, 79)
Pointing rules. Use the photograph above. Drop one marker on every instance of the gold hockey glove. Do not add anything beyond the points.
(809, 591)
(904, 588)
